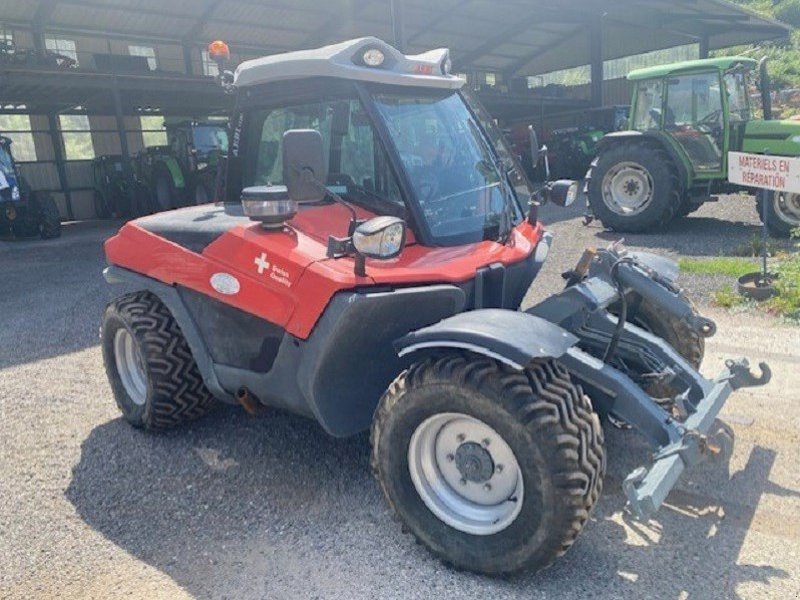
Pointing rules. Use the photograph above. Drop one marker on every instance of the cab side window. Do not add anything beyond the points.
(358, 169)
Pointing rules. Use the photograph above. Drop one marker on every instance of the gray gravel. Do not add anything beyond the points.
(237, 507)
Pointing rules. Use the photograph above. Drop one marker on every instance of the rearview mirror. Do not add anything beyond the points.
(538, 152)
(304, 171)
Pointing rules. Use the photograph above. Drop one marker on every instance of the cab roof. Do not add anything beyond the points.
(344, 61)
(722, 63)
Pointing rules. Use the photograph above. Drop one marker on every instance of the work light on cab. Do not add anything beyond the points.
(270, 205)
(373, 57)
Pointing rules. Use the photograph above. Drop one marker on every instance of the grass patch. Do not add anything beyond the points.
(727, 297)
(787, 302)
(722, 265)
(753, 247)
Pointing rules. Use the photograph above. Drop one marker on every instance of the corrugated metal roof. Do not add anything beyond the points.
(518, 37)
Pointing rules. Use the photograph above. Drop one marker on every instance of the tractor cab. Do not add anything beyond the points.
(398, 136)
(703, 106)
(197, 145)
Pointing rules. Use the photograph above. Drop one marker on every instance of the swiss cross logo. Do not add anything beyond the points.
(262, 264)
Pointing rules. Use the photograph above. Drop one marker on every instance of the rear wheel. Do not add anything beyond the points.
(154, 378)
(167, 196)
(101, 207)
(142, 202)
(201, 194)
(634, 187)
(783, 213)
(49, 216)
(493, 470)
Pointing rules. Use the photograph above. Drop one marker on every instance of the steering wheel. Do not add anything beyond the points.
(711, 119)
(427, 186)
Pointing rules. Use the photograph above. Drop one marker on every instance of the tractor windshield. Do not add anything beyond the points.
(460, 182)
(207, 138)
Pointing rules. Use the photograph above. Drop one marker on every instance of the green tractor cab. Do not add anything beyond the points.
(24, 213)
(685, 118)
(184, 172)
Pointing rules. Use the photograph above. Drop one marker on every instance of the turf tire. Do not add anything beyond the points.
(546, 420)
(175, 389)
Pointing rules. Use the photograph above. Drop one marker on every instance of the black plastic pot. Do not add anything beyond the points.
(755, 286)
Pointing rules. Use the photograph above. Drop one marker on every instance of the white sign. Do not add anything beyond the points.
(779, 173)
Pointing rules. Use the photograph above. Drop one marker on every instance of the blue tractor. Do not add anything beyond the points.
(23, 212)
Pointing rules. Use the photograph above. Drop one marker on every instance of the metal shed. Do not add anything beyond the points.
(508, 39)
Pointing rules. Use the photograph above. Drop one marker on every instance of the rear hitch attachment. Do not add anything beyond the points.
(647, 488)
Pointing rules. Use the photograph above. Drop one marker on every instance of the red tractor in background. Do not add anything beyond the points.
(366, 270)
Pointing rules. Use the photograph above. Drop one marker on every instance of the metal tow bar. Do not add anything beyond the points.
(647, 489)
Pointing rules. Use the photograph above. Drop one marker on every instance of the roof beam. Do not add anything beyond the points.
(43, 13)
(514, 30)
(197, 27)
(336, 24)
(436, 19)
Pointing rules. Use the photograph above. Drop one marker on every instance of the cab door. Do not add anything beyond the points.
(694, 116)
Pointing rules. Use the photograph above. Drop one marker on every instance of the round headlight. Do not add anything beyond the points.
(373, 57)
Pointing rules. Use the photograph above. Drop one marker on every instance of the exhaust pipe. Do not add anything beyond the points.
(250, 403)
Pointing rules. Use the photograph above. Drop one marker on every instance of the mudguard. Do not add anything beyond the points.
(513, 338)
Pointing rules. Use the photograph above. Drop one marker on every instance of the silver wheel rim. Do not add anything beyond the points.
(465, 473)
(130, 367)
(787, 208)
(627, 188)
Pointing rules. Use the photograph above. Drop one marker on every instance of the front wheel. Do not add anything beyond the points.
(152, 372)
(783, 213)
(492, 469)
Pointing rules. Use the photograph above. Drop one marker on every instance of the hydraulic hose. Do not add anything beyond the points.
(622, 317)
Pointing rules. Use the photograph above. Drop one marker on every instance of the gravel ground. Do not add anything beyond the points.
(237, 507)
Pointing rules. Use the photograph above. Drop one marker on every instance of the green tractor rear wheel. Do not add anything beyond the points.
(634, 187)
(783, 213)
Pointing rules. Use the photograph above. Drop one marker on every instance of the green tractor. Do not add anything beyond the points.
(184, 172)
(23, 212)
(673, 157)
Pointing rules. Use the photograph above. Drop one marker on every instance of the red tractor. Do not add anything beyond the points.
(366, 268)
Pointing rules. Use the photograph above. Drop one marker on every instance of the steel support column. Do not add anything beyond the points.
(187, 59)
(119, 115)
(704, 46)
(58, 154)
(596, 61)
(398, 24)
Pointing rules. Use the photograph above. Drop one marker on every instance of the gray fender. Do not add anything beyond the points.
(513, 338)
(172, 300)
(667, 268)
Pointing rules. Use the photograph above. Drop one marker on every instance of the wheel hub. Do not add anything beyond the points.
(465, 473)
(130, 366)
(474, 462)
(787, 207)
(627, 188)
